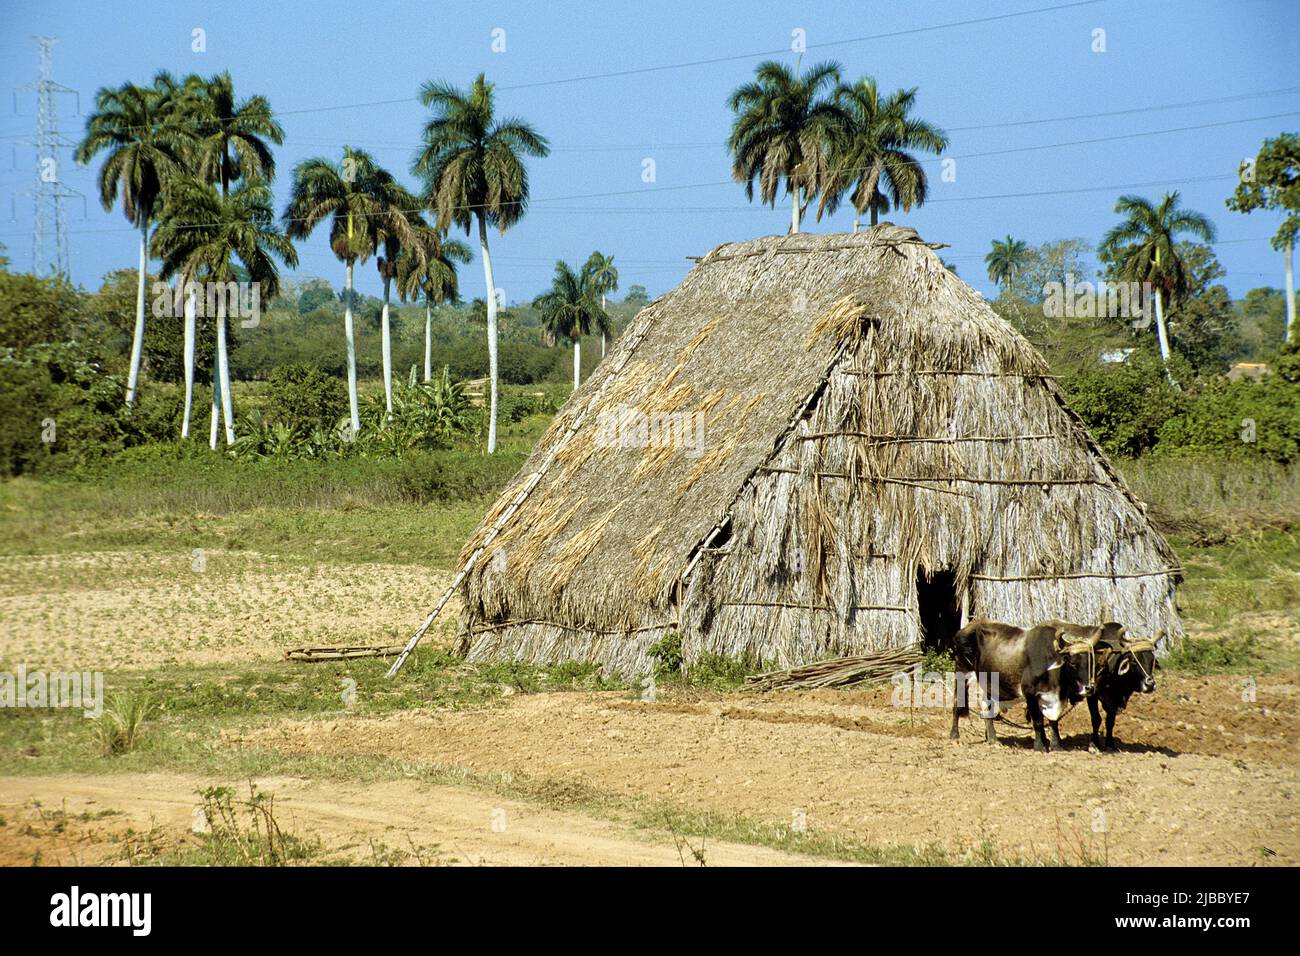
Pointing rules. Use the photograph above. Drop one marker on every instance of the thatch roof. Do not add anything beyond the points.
(865, 414)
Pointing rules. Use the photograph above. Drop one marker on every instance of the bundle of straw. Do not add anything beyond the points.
(873, 668)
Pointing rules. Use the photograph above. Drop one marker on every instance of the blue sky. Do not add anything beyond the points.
(317, 61)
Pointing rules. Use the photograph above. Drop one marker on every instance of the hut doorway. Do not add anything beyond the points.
(939, 607)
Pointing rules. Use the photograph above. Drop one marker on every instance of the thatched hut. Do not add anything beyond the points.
(816, 445)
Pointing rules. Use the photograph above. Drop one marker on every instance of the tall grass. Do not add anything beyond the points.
(121, 725)
(1210, 500)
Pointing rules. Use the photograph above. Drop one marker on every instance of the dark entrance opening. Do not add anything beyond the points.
(939, 608)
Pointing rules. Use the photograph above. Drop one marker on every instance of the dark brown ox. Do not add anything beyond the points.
(1001, 662)
(1086, 648)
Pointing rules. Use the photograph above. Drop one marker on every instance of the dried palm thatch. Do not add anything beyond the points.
(874, 668)
(866, 418)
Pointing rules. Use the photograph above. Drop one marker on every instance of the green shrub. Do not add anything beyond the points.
(61, 409)
(1124, 405)
(1213, 655)
(937, 662)
(667, 655)
(34, 310)
(1244, 419)
(718, 672)
(303, 397)
(119, 728)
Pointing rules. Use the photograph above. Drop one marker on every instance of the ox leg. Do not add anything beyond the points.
(1095, 713)
(1035, 715)
(1056, 735)
(989, 708)
(960, 701)
(986, 700)
(1110, 729)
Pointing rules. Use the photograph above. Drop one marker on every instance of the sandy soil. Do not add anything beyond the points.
(106, 610)
(1203, 778)
(66, 820)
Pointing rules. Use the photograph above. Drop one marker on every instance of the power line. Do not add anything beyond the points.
(708, 61)
(715, 144)
(753, 209)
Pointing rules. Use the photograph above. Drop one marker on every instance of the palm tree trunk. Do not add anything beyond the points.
(189, 358)
(428, 340)
(227, 402)
(216, 401)
(577, 363)
(1290, 294)
(137, 340)
(875, 215)
(352, 356)
(492, 333)
(602, 334)
(794, 210)
(1161, 333)
(387, 348)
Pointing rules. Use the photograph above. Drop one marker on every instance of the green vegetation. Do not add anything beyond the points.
(709, 672)
(177, 715)
(472, 164)
(570, 310)
(119, 728)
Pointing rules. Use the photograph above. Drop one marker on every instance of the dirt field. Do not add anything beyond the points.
(80, 821)
(859, 768)
(1204, 776)
(113, 609)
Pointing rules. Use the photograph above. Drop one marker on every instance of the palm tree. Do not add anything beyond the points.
(1005, 258)
(870, 152)
(132, 123)
(203, 232)
(473, 169)
(569, 310)
(603, 278)
(183, 106)
(392, 229)
(349, 194)
(782, 131)
(433, 274)
(233, 135)
(230, 143)
(1143, 248)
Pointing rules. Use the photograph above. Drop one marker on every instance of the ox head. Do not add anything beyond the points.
(1133, 667)
(1082, 651)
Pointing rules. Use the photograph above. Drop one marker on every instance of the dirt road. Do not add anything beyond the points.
(1199, 793)
(86, 820)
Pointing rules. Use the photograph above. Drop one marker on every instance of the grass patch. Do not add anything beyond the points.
(194, 705)
(1239, 654)
(1208, 502)
(119, 728)
(419, 508)
(1228, 585)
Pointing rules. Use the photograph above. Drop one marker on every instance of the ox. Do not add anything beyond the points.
(1028, 664)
